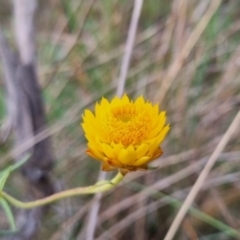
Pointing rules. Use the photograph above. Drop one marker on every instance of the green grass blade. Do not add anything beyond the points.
(6, 172)
(8, 213)
(21, 162)
(3, 177)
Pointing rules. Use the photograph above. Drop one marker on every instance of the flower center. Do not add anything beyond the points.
(126, 124)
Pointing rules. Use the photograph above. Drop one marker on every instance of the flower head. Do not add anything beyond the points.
(125, 134)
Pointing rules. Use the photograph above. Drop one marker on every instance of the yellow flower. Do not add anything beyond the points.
(123, 134)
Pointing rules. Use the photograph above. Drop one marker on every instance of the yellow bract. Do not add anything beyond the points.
(124, 134)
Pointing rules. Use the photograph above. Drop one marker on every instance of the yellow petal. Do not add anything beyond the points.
(116, 101)
(117, 148)
(107, 167)
(155, 110)
(160, 123)
(88, 129)
(89, 115)
(163, 134)
(95, 146)
(139, 101)
(131, 154)
(142, 161)
(114, 162)
(155, 116)
(98, 111)
(104, 103)
(108, 151)
(153, 147)
(125, 99)
(124, 157)
(95, 154)
(141, 150)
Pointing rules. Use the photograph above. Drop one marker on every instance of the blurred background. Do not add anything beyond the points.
(186, 57)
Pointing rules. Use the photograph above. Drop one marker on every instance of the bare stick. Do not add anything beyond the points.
(93, 214)
(92, 221)
(202, 177)
(129, 46)
(24, 12)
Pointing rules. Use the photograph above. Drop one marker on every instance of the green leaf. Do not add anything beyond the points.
(20, 163)
(6, 172)
(8, 213)
(3, 177)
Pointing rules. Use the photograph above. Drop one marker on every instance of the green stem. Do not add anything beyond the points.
(101, 186)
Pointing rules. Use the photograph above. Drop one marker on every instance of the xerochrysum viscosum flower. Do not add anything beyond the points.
(125, 134)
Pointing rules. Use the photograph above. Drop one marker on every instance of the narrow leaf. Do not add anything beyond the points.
(8, 213)
(3, 177)
(21, 162)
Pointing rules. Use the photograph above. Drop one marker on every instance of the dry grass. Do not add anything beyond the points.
(185, 55)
